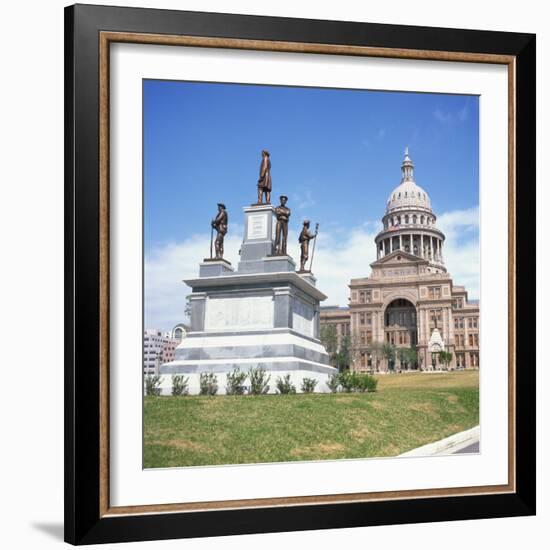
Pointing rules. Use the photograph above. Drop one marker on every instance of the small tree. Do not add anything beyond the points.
(180, 385)
(258, 381)
(308, 385)
(235, 382)
(348, 381)
(284, 385)
(333, 382)
(446, 357)
(329, 339)
(208, 383)
(365, 383)
(375, 351)
(152, 384)
(388, 352)
(408, 356)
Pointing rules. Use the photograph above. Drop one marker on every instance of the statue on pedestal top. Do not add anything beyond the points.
(264, 182)
(219, 223)
(282, 213)
(303, 239)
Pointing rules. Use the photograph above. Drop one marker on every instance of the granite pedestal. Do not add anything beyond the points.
(264, 314)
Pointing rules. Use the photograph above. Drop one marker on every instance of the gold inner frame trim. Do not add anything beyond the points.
(105, 39)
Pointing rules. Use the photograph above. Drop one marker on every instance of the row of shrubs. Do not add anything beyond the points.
(348, 382)
(208, 383)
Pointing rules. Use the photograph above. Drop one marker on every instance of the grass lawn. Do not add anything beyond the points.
(407, 411)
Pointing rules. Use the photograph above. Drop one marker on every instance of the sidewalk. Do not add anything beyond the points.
(462, 442)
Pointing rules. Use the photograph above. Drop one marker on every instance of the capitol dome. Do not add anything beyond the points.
(409, 224)
(408, 194)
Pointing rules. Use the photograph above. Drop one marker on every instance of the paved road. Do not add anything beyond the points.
(473, 448)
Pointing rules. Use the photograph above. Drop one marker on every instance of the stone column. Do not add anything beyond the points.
(282, 299)
(317, 322)
(400, 242)
(198, 307)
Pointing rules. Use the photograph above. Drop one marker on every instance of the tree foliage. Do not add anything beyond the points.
(152, 384)
(259, 380)
(180, 384)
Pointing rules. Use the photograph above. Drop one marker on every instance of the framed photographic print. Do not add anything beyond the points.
(299, 274)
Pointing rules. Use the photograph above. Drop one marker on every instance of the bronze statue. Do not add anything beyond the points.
(305, 237)
(219, 223)
(282, 212)
(264, 182)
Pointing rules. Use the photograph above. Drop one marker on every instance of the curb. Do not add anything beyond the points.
(447, 446)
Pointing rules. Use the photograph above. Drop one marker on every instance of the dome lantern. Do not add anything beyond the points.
(407, 168)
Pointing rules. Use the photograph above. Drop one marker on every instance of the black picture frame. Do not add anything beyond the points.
(84, 524)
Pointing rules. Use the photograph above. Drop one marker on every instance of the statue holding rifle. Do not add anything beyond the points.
(305, 237)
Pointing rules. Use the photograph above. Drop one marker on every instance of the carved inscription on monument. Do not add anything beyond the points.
(250, 312)
(257, 226)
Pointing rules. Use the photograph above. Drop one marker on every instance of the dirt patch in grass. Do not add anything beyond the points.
(423, 407)
(346, 399)
(320, 449)
(361, 433)
(390, 450)
(452, 398)
(182, 444)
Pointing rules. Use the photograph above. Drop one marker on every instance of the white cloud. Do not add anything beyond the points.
(461, 247)
(340, 255)
(167, 266)
(451, 117)
(303, 199)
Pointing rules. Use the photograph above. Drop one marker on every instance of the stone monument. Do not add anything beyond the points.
(264, 314)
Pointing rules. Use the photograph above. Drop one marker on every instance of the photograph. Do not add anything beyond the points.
(311, 274)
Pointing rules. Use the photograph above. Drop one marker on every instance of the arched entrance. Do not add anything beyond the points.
(400, 331)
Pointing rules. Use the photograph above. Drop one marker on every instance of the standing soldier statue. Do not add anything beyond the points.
(264, 182)
(282, 212)
(219, 223)
(305, 237)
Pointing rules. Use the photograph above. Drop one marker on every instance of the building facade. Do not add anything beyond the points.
(409, 300)
(158, 348)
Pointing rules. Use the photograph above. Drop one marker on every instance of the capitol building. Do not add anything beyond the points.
(409, 300)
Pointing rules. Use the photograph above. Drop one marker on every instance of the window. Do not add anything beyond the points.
(434, 292)
(362, 297)
(369, 319)
(414, 218)
(368, 296)
(362, 318)
(435, 314)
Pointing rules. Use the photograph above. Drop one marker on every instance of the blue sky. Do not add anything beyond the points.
(335, 153)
